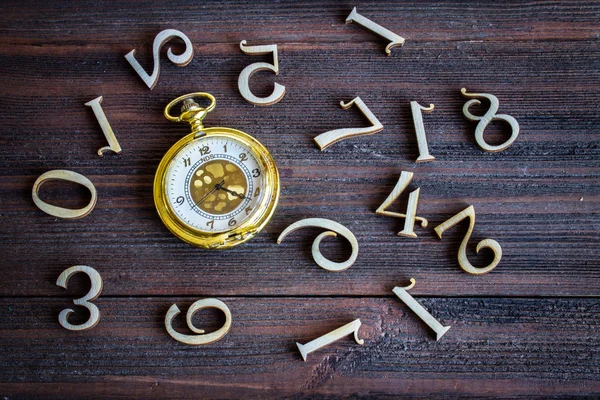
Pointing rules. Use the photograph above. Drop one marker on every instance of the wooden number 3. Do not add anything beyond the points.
(244, 79)
(94, 292)
(491, 244)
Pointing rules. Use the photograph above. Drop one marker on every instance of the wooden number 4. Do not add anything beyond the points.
(411, 209)
(244, 79)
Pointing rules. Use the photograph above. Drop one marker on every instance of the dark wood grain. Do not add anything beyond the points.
(524, 330)
(493, 343)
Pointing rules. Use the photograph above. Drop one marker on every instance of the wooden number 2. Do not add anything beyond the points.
(94, 292)
(411, 209)
(243, 81)
(324, 140)
(491, 244)
(159, 41)
(201, 337)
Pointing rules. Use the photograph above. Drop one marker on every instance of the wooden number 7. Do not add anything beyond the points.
(243, 80)
(491, 244)
(324, 140)
(411, 209)
(93, 294)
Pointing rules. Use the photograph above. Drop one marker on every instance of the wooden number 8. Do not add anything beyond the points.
(94, 292)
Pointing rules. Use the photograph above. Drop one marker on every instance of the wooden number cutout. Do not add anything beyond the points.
(334, 229)
(402, 293)
(64, 175)
(411, 209)
(417, 115)
(93, 294)
(395, 40)
(201, 337)
(244, 79)
(491, 244)
(333, 336)
(324, 140)
(180, 60)
(113, 143)
(488, 117)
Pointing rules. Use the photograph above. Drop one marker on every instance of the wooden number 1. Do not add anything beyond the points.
(331, 337)
(417, 110)
(244, 79)
(411, 209)
(113, 143)
(324, 140)
(180, 60)
(402, 293)
(491, 244)
(395, 40)
(94, 292)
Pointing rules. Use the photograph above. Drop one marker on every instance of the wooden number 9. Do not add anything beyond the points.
(243, 81)
(491, 244)
(94, 292)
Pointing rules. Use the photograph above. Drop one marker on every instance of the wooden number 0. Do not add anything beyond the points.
(324, 140)
(94, 292)
(243, 81)
(159, 41)
(491, 244)
(69, 176)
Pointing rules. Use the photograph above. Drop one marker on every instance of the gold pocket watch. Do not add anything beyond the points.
(216, 187)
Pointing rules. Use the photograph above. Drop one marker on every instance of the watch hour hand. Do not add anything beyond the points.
(217, 187)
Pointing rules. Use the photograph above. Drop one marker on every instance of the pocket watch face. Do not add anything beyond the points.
(214, 183)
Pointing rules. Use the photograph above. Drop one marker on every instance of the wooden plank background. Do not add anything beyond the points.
(527, 329)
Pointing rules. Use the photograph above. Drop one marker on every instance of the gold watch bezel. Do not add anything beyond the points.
(246, 230)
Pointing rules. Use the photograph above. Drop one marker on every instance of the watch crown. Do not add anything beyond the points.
(189, 104)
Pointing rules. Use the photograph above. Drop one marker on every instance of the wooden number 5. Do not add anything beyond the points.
(94, 292)
(243, 81)
(180, 60)
(491, 244)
